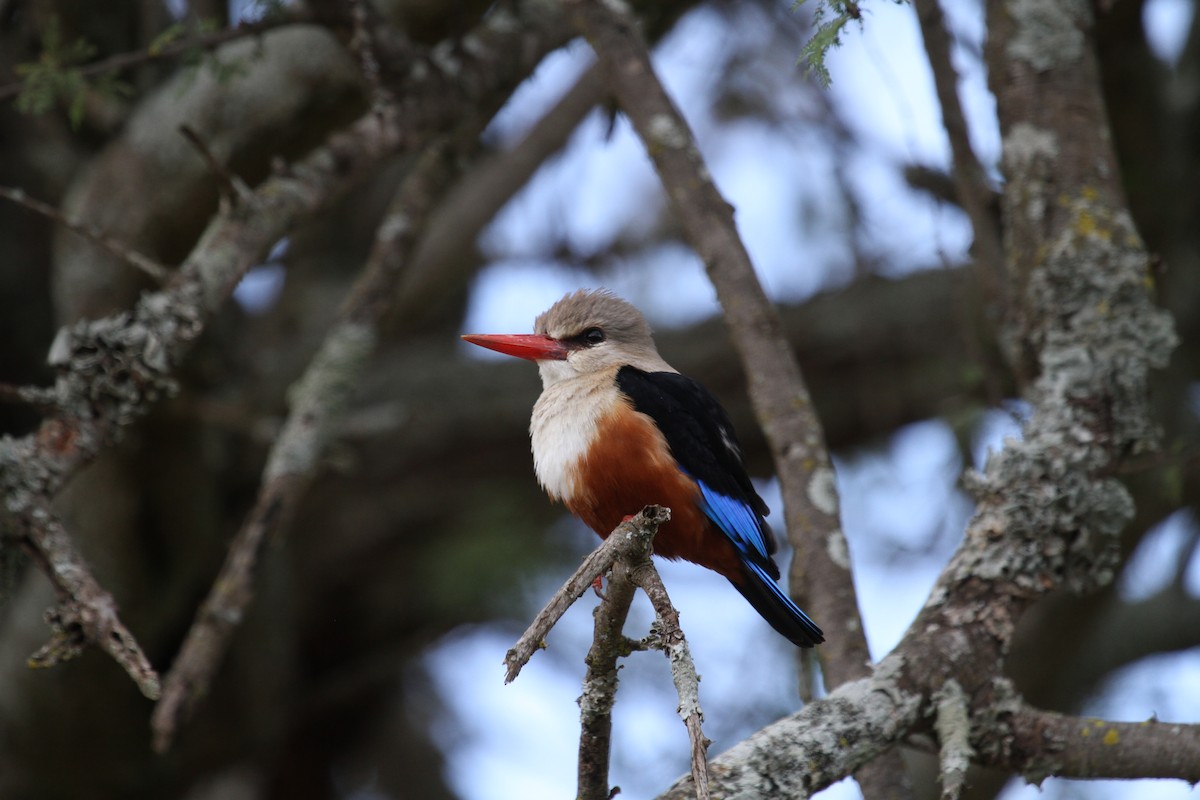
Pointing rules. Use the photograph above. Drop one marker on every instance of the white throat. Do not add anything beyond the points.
(563, 427)
(576, 393)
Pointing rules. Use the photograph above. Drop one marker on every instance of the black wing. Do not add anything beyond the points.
(702, 440)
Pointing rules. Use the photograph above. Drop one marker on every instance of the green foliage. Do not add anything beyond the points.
(193, 58)
(56, 76)
(172, 34)
(830, 19)
(223, 71)
(59, 76)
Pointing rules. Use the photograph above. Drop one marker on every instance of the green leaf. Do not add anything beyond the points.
(55, 77)
(171, 35)
(830, 19)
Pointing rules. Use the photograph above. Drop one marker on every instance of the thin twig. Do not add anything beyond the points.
(318, 400)
(86, 613)
(207, 41)
(444, 255)
(820, 573)
(362, 44)
(600, 684)
(952, 722)
(40, 398)
(629, 544)
(975, 195)
(232, 188)
(163, 325)
(157, 271)
(598, 562)
(674, 645)
(626, 551)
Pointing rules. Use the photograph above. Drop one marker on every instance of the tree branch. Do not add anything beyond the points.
(777, 389)
(626, 551)
(973, 191)
(233, 189)
(830, 738)
(624, 537)
(1048, 514)
(86, 614)
(318, 400)
(145, 264)
(37, 397)
(1047, 743)
(669, 638)
(817, 746)
(953, 726)
(362, 44)
(112, 369)
(205, 41)
(600, 681)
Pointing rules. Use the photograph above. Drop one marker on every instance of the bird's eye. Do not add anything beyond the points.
(592, 336)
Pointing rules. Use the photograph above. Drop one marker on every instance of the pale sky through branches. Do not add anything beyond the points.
(903, 512)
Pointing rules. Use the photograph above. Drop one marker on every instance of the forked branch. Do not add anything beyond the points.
(626, 552)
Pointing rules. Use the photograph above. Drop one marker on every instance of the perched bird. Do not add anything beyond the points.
(617, 428)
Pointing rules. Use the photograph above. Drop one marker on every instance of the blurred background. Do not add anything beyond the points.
(370, 664)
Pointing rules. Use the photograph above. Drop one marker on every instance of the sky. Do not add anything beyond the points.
(902, 512)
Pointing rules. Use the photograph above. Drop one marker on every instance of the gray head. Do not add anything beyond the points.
(601, 331)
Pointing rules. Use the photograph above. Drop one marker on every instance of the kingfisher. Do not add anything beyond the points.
(617, 428)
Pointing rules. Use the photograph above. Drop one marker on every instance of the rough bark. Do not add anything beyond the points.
(385, 553)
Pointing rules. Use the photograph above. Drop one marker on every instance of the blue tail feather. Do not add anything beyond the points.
(737, 520)
(773, 605)
(744, 528)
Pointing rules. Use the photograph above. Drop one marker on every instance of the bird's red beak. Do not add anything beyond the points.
(532, 346)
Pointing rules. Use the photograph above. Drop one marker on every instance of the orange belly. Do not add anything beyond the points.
(628, 467)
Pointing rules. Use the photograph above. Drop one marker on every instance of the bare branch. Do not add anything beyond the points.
(974, 194)
(363, 46)
(145, 264)
(317, 402)
(40, 398)
(233, 189)
(86, 614)
(112, 369)
(670, 639)
(206, 41)
(598, 562)
(600, 681)
(819, 745)
(953, 726)
(626, 551)
(820, 569)
(830, 738)
(1047, 743)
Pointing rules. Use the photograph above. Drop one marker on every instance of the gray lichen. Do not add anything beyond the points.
(23, 479)
(1088, 314)
(1047, 34)
(318, 396)
(835, 736)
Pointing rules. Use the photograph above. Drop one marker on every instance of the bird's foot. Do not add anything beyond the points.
(598, 587)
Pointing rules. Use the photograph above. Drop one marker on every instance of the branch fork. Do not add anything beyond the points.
(626, 552)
